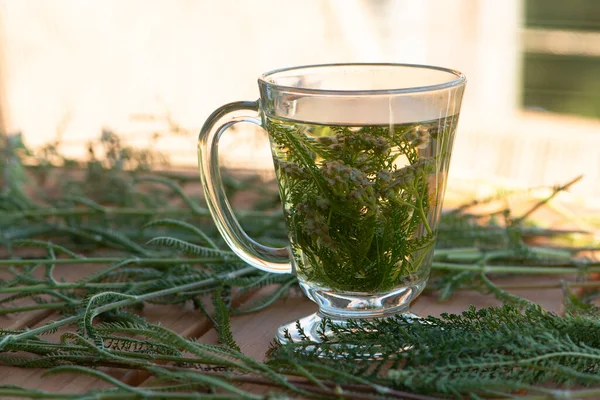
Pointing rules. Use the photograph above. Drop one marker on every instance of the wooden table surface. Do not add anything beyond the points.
(253, 331)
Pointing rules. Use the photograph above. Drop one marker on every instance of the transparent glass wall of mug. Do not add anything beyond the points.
(361, 153)
(361, 171)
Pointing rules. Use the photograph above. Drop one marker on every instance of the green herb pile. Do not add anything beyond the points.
(358, 200)
(148, 239)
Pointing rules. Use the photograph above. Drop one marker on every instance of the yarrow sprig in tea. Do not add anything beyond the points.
(360, 201)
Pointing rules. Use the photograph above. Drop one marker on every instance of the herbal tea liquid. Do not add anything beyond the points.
(359, 200)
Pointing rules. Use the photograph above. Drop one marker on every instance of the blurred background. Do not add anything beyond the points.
(153, 70)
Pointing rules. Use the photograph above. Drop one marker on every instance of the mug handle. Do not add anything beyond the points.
(270, 259)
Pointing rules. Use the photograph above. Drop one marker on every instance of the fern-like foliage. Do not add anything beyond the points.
(222, 321)
(185, 226)
(191, 249)
(268, 299)
(494, 349)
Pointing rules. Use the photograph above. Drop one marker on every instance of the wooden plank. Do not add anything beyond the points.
(63, 383)
(255, 331)
(549, 299)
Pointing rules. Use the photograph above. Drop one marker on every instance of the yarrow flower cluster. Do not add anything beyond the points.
(388, 184)
(418, 137)
(355, 140)
(314, 224)
(347, 182)
(406, 176)
(291, 169)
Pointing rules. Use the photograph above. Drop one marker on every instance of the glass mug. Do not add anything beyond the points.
(361, 154)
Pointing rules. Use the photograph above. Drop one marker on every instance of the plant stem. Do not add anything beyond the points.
(457, 250)
(65, 285)
(109, 211)
(512, 269)
(555, 191)
(9, 392)
(108, 260)
(122, 211)
(558, 285)
(424, 219)
(347, 387)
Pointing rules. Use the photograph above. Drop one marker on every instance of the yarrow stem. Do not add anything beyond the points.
(109, 260)
(515, 269)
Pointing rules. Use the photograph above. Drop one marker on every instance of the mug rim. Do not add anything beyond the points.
(460, 80)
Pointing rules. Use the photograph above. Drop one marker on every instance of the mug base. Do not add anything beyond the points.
(341, 306)
(315, 327)
(337, 308)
